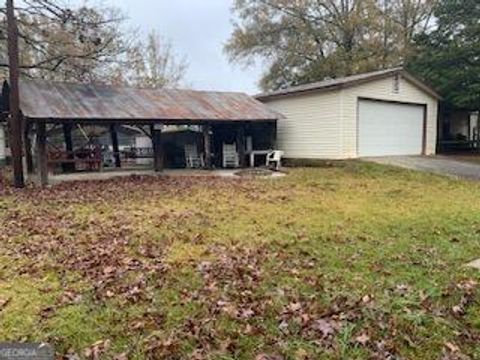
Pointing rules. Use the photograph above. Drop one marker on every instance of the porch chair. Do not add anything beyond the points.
(192, 159)
(230, 156)
(275, 158)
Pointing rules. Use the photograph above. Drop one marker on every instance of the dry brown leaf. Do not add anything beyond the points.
(122, 356)
(96, 350)
(4, 302)
(458, 310)
(452, 347)
(325, 327)
(362, 339)
(268, 357)
(295, 306)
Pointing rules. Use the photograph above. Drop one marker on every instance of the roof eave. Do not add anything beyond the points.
(146, 121)
(349, 84)
(420, 84)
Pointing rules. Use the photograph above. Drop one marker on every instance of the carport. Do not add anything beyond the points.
(219, 115)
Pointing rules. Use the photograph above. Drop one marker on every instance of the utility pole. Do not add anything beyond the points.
(15, 119)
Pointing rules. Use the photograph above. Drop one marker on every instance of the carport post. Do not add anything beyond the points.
(28, 147)
(42, 161)
(157, 147)
(241, 144)
(116, 150)
(207, 144)
(67, 134)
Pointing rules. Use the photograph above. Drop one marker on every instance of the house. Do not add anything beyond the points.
(382, 113)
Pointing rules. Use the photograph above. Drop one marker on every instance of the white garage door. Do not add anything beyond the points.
(390, 129)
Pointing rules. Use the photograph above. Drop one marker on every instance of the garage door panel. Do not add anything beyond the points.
(390, 129)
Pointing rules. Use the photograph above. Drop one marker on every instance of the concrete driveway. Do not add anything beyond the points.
(441, 165)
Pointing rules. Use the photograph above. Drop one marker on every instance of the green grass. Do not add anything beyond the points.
(203, 268)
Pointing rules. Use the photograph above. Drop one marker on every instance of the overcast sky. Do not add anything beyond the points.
(198, 30)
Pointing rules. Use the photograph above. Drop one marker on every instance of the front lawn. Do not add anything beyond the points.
(356, 261)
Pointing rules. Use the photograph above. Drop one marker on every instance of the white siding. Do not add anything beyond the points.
(324, 125)
(311, 128)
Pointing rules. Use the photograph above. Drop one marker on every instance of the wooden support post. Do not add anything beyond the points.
(157, 148)
(67, 135)
(207, 144)
(42, 161)
(116, 150)
(241, 145)
(28, 149)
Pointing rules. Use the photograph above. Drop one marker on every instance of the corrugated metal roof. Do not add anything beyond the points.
(332, 84)
(65, 101)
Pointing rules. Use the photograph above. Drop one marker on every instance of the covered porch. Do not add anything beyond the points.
(459, 132)
(140, 129)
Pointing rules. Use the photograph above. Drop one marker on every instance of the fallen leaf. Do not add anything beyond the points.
(467, 285)
(458, 310)
(366, 299)
(402, 289)
(301, 354)
(325, 327)
(452, 347)
(294, 307)
(96, 350)
(47, 312)
(108, 270)
(362, 339)
(4, 302)
(269, 357)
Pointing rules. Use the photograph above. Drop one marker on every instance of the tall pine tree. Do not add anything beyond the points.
(449, 56)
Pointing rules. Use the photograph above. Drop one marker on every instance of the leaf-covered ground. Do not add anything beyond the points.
(357, 261)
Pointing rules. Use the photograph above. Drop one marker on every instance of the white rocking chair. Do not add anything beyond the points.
(192, 159)
(275, 158)
(230, 156)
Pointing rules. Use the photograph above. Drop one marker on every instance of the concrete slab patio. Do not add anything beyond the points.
(106, 175)
(441, 165)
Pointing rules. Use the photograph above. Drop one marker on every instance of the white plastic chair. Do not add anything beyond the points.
(275, 158)
(192, 159)
(230, 156)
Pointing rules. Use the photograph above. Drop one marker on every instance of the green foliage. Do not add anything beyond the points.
(449, 56)
(305, 41)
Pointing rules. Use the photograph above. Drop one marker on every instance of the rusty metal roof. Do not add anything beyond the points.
(44, 100)
(349, 81)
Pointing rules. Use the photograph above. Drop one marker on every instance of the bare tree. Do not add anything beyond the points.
(153, 64)
(64, 43)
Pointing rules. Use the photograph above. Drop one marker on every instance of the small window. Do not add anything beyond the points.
(396, 84)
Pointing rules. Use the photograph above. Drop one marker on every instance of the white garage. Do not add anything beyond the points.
(383, 113)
